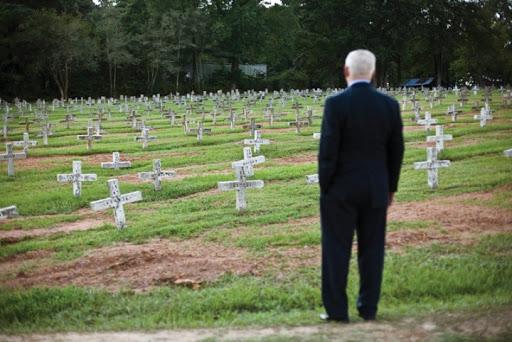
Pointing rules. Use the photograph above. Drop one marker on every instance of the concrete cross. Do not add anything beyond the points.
(310, 116)
(232, 119)
(253, 126)
(145, 137)
(116, 163)
(248, 162)
(117, 202)
(8, 212)
(46, 131)
(432, 165)
(257, 141)
(26, 142)
(439, 138)
(298, 123)
(271, 115)
(201, 130)
(76, 178)
(68, 119)
(27, 124)
(453, 112)
(312, 179)
(157, 174)
(89, 137)
(10, 156)
(428, 121)
(485, 114)
(240, 185)
(317, 136)
(508, 153)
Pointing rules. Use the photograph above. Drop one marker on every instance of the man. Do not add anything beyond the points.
(361, 151)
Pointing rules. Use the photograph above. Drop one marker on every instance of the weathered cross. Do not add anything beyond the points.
(89, 137)
(298, 123)
(232, 119)
(485, 114)
(26, 142)
(27, 124)
(439, 138)
(248, 162)
(453, 112)
(432, 165)
(68, 119)
(76, 178)
(116, 163)
(10, 156)
(201, 130)
(253, 126)
(312, 179)
(8, 212)
(240, 184)
(310, 116)
(46, 131)
(157, 174)
(428, 121)
(116, 201)
(257, 141)
(145, 137)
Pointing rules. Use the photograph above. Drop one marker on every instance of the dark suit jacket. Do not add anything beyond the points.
(361, 146)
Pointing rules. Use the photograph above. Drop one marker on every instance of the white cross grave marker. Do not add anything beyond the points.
(257, 141)
(10, 156)
(8, 212)
(428, 121)
(89, 137)
(240, 184)
(157, 174)
(46, 131)
(508, 153)
(145, 137)
(26, 142)
(76, 178)
(484, 116)
(312, 179)
(439, 138)
(248, 162)
(116, 163)
(432, 165)
(317, 136)
(116, 201)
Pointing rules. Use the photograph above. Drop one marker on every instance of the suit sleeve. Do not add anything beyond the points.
(395, 150)
(329, 146)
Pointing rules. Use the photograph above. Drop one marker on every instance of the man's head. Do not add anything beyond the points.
(359, 64)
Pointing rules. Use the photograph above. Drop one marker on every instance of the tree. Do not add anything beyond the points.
(58, 43)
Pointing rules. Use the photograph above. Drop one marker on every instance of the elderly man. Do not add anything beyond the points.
(361, 151)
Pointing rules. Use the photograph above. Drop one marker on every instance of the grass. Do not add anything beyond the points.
(282, 215)
(423, 281)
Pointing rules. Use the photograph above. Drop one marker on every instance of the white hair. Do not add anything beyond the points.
(361, 63)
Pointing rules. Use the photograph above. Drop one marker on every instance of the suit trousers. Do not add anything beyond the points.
(339, 219)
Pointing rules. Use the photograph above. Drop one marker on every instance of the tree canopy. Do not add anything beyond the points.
(63, 48)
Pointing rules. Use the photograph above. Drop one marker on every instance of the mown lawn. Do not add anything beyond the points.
(418, 280)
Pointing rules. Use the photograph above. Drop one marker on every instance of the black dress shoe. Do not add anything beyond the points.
(327, 318)
(367, 317)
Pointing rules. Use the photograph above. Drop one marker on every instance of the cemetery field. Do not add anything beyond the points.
(188, 259)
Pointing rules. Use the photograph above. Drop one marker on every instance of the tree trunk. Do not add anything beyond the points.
(110, 76)
(235, 67)
(115, 80)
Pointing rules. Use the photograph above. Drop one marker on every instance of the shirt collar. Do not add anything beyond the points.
(361, 80)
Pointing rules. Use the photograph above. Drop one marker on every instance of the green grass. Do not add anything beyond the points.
(280, 216)
(422, 281)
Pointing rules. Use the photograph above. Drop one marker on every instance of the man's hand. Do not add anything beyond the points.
(391, 195)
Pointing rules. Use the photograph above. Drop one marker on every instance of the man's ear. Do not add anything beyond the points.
(346, 71)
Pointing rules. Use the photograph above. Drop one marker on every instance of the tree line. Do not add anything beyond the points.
(67, 48)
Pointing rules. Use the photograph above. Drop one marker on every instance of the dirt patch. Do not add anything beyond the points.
(140, 267)
(460, 223)
(16, 235)
(12, 265)
(298, 159)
